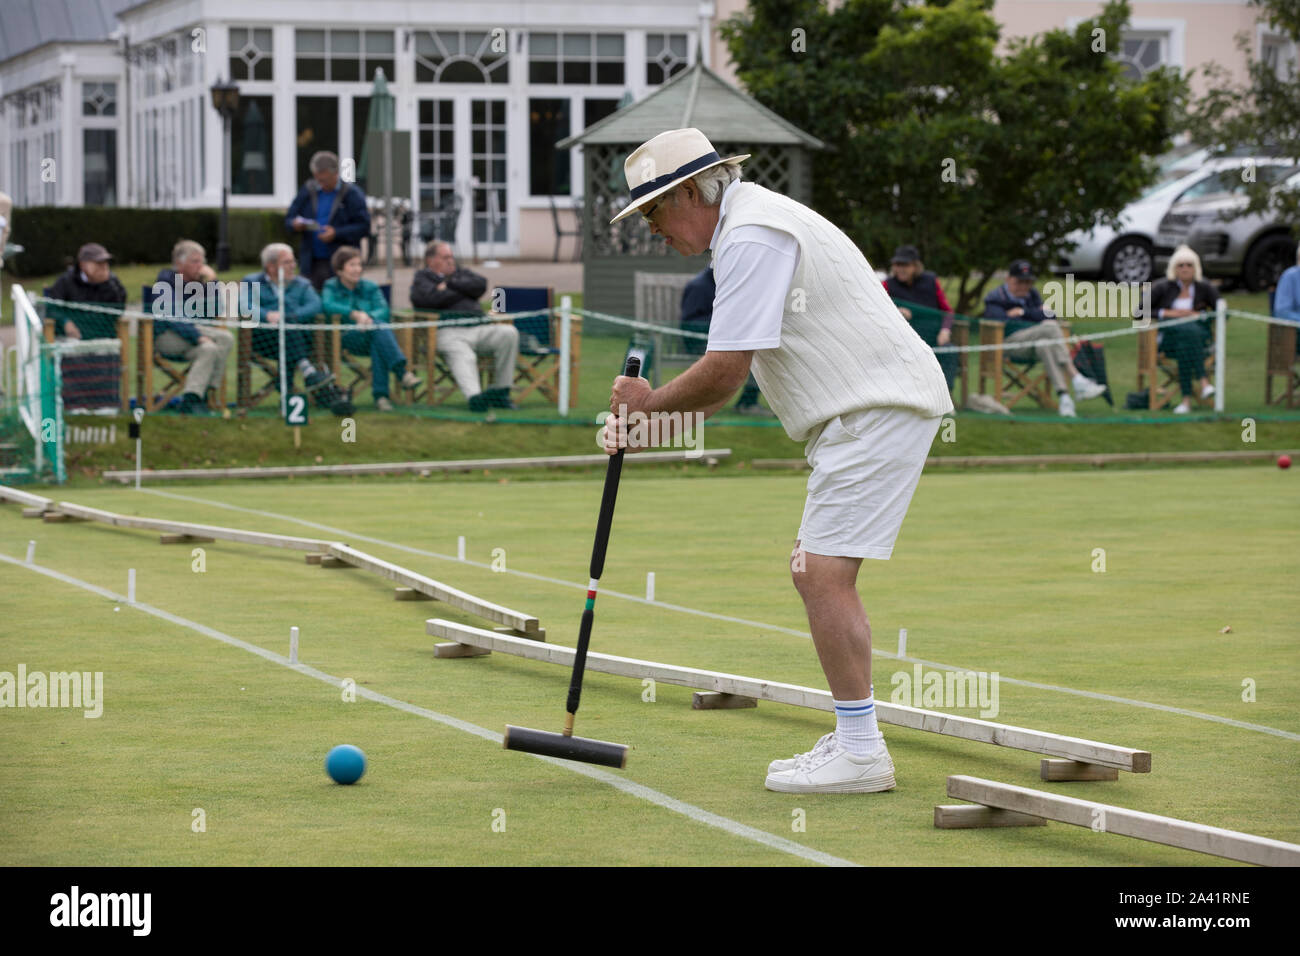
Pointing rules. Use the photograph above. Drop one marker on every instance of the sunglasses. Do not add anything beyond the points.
(648, 214)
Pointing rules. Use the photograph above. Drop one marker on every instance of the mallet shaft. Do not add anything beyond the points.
(607, 499)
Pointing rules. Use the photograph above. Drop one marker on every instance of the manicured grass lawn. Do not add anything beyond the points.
(993, 572)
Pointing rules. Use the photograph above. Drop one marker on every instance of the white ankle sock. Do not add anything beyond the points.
(305, 367)
(855, 726)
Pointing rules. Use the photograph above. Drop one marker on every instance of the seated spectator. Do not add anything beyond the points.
(328, 213)
(1182, 293)
(90, 280)
(697, 313)
(205, 347)
(1286, 300)
(1032, 328)
(301, 306)
(440, 286)
(909, 282)
(360, 302)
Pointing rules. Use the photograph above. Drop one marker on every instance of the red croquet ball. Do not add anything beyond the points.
(1284, 461)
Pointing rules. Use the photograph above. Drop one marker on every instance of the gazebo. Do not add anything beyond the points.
(734, 122)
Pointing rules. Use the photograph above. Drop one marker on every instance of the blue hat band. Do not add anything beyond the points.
(695, 165)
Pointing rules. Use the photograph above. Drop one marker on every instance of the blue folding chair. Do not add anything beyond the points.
(538, 369)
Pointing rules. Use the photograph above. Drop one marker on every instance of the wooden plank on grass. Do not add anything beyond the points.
(25, 498)
(966, 728)
(461, 600)
(709, 700)
(1017, 738)
(195, 530)
(970, 816)
(398, 467)
(1074, 770)
(1101, 817)
(452, 649)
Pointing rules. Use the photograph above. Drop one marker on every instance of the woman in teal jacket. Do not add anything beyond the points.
(361, 303)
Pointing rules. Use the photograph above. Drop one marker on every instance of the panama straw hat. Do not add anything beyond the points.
(659, 164)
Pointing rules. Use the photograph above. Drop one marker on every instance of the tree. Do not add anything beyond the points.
(937, 141)
(1263, 114)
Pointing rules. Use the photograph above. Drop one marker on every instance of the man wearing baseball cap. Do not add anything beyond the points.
(797, 301)
(1033, 328)
(921, 301)
(90, 279)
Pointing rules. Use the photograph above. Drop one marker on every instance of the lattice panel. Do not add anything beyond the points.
(607, 194)
(768, 166)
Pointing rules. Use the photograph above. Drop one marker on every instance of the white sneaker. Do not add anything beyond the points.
(1183, 408)
(832, 769)
(1085, 388)
(776, 766)
(382, 404)
(1207, 392)
(1067, 406)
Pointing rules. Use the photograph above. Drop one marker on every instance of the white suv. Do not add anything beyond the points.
(1126, 253)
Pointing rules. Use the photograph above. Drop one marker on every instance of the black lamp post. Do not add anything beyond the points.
(225, 99)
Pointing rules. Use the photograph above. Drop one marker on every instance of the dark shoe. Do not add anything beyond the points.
(335, 399)
(318, 378)
(499, 398)
(479, 402)
(340, 403)
(192, 404)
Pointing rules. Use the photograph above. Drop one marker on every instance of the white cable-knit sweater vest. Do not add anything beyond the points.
(844, 345)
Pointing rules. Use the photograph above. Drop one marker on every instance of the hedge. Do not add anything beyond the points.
(51, 235)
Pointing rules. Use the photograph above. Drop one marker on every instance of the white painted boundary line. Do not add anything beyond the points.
(456, 598)
(964, 728)
(1094, 695)
(640, 791)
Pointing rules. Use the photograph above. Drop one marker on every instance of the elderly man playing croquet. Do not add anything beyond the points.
(839, 365)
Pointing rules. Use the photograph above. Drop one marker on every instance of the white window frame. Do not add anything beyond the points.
(1288, 51)
(1173, 30)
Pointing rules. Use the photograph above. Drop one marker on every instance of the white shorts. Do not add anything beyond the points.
(865, 466)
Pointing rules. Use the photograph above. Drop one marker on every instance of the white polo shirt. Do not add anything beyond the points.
(752, 272)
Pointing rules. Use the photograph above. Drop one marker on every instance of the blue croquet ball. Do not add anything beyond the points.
(345, 764)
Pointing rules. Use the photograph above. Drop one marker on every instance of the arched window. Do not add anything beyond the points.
(462, 56)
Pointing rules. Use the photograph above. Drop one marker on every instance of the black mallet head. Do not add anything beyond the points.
(565, 747)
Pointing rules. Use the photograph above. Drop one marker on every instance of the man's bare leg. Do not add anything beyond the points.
(853, 758)
(840, 629)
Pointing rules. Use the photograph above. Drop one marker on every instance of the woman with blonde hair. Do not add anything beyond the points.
(1182, 293)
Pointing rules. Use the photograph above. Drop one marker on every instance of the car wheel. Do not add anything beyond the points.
(1266, 261)
(1127, 260)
